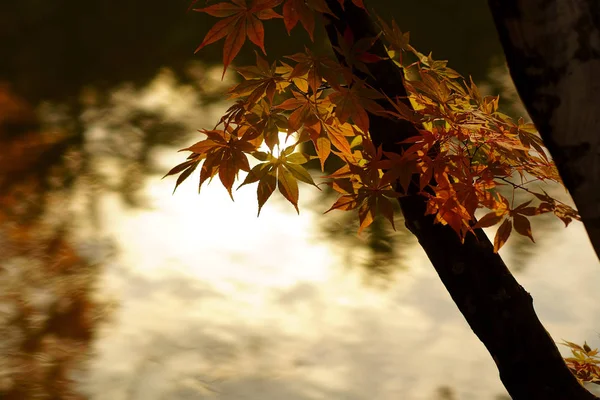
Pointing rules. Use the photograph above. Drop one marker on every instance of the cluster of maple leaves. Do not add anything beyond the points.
(465, 155)
(584, 363)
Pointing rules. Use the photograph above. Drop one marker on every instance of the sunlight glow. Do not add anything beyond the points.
(285, 140)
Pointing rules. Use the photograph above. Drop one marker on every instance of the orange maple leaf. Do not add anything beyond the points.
(303, 11)
(259, 80)
(241, 20)
(354, 103)
(316, 68)
(223, 152)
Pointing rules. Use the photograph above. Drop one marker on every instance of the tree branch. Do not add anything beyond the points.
(497, 308)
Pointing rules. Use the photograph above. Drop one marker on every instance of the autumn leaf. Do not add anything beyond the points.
(227, 172)
(300, 173)
(323, 148)
(292, 161)
(502, 235)
(344, 203)
(241, 20)
(386, 209)
(260, 80)
(362, 188)
(525, 209)
(315, 68)
(282, 172)
(353, 103)
(185, 169)
(268, 121)
(356, 53)
(222, 152)
(399, 41)
(288, 186)
(303, 11)
(366, 214)
(339, 133)
(257, 173)
(307, 110)
(522, 226)
(179, 168)
(401, 173)
(489, 219)
(266, 187)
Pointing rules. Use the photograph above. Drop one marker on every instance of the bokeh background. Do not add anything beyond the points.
(112, 288)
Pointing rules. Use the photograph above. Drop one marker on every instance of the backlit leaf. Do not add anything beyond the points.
(353, 104)
(227, 173)
(386, 209)
(344, 203)
(323, 148)
(242, 20)
(300, 173)
(366, 214)
(256, 174)
(266, 187)
(288, 186)
(297, 158)
(489, 219)
(502, 235)
(184, 176)
(234, 42)
(297, 10)
(523, 226)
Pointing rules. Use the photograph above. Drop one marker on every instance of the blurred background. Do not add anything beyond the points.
(112, 288)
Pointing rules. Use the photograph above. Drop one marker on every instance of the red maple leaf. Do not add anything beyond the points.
(241, 20)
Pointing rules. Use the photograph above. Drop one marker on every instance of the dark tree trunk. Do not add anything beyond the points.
(497, 308)
(553, 53)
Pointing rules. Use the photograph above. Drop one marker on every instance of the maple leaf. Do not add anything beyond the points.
(282, 172)
(489, 219)
(234, 114)
(585, 363)
(297, 10)
(522, 226)
(259, 80)
(362, 189)
(399, 41)
(338, 134)
(266, 187)
(303, 11)
(355, 53)
(401, 169)
(307, 110)
(404, 110)
(241, 20)
(185, 169)
(288, 186)
(268, 121)
(353, 103)
(502, 234)
(312, 114)
(316, 68)
(223, 152)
